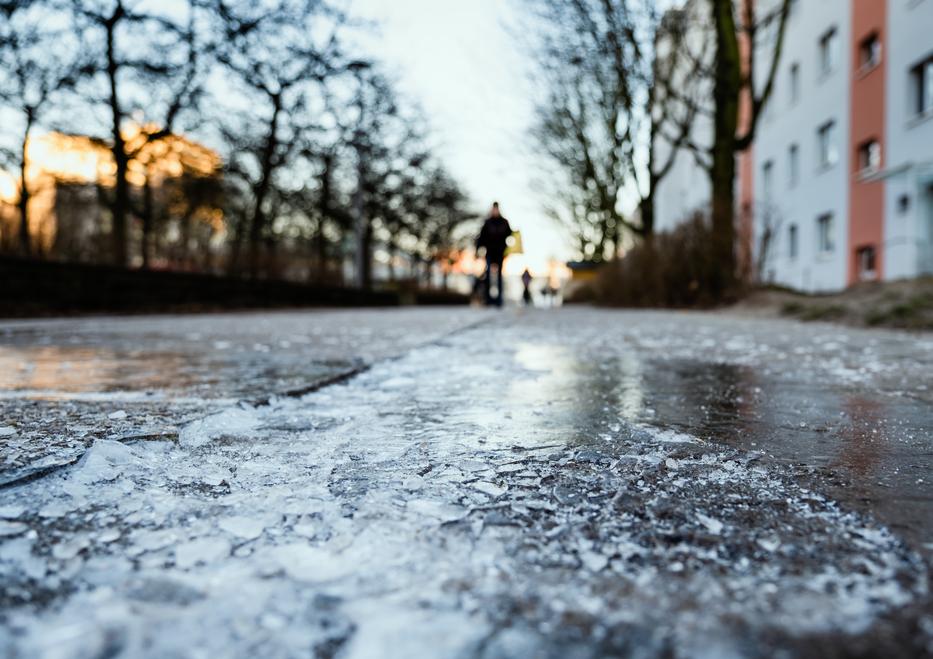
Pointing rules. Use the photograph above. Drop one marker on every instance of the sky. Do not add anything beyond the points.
(459, 61)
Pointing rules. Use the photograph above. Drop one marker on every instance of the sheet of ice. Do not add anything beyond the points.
(246, 528)
(236, 420)
(413, 509)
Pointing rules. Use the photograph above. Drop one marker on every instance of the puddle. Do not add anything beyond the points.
(875, 447)
(62, 372)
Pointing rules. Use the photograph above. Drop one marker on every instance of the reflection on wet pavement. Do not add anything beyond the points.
(59, 371)
(519, 489)
(876, 446)
(66, 383)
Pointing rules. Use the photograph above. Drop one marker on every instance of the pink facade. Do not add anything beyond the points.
(867, 147)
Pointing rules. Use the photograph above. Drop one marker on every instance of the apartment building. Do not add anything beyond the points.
(907, 171)
(839, 182)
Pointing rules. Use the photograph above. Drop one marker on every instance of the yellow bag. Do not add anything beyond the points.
(514, 244)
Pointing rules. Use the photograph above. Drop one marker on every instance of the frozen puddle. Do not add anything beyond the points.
(415, 512)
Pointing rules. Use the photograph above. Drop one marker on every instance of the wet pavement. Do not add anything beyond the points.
(562, 483)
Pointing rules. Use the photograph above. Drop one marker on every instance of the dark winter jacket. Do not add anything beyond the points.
(495, 232)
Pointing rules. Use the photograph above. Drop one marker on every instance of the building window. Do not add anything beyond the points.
(922, 75)
(793, 165)
(869, 157)
(792, 241)
(865, 263)
(794, 83)
(767, 176)
(826, 142)
(824, 234)
(828, 47)
(869, 52)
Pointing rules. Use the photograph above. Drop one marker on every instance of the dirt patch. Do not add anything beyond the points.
(905, 304)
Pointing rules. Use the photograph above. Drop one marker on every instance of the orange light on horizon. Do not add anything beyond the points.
(81, 159)
(58, 158)
(8, 188)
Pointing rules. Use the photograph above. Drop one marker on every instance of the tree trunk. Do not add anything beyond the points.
(258, 223)
(148, 218)
(393, 252)
(321, 247)
(366, 260)
(184, 256)
(236, 249)
(647, 216)
(324, 209)
(361, 227)
(119, 209)
(24, 193)
(726, 91)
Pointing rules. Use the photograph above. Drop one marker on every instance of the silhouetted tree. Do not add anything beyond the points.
(144, 64)
(608, 102)
(274, 57)
(739, 33)
(34, 66)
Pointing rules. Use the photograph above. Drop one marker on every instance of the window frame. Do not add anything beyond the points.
(921, 75)
(828, 52)
(793, 165)
(876, 54)
(827, 149)
(794, 83)
(825, 243)
(864, 156)
(866, 274)
(767, 180)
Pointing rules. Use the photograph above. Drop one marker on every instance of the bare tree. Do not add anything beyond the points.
(446, 212)
(740, 31)
(608, 103)
(133, 52)
(273, 55)
(32, 72)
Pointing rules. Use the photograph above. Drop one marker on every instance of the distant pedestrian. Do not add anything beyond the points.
(492, 238)
(526, 282)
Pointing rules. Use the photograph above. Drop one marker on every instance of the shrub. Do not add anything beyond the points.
(673, 269)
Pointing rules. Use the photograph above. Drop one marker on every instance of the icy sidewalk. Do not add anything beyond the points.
(66, 383)
(462, 500)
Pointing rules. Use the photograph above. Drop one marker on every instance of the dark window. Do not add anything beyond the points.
(793, 165)
(824, 234)
(767, 177)
(792, 241)
(828, 46)
(865, 261)
(922, 75)
(826, 140)
(869, 156)
(869, 52)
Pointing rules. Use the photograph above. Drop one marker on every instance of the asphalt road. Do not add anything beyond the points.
(554, 483)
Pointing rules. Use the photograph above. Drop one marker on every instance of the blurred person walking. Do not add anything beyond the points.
(492, 238)
(526, 282)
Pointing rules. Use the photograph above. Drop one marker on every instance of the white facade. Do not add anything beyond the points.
(908, 175)
(805, 187)
(686, 188)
